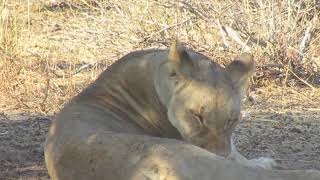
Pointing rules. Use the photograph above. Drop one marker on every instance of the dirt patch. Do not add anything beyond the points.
(293, 144)
(22, 137)
(280, 123)
(284, 124)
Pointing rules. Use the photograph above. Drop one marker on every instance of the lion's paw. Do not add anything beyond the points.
(263, 162)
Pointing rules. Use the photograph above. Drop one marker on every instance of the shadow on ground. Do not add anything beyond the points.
(21, 148)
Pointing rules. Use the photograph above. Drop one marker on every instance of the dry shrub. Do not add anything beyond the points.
(56, 48)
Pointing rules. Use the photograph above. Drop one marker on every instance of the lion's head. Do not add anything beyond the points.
(203, 100)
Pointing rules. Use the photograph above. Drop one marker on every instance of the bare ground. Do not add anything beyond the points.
(278, 122)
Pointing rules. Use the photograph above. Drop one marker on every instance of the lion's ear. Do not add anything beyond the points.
(241, 69)
(179, 54)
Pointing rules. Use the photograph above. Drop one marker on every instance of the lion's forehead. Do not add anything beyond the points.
(208, 72)
(206, 94)
(217, 85)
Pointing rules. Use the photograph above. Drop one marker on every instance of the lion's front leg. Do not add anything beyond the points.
(261, 162)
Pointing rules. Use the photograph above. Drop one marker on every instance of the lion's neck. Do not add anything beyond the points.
(128, 87)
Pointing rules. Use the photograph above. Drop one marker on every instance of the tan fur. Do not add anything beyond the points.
(147, 116)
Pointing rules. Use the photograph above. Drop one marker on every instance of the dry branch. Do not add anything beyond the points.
(305, 42)
(166, 28)
(235, 36)
(223, 34)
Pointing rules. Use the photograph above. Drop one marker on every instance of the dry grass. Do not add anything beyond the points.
(50, 50)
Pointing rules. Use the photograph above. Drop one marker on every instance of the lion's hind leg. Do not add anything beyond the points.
(108, 155)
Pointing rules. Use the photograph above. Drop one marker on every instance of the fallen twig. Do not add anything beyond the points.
(302, 80)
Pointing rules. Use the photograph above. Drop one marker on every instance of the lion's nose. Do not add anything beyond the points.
(224, 149)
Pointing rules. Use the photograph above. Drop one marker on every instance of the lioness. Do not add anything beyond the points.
(156, 114)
